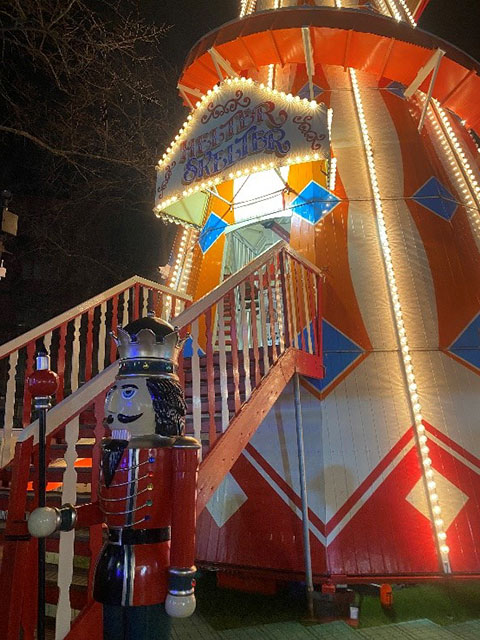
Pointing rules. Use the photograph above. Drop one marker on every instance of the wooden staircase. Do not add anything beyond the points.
(231, 380)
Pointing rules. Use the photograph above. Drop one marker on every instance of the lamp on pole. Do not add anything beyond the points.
(42, 384)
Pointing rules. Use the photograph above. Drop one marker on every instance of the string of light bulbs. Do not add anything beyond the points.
(180, 275)
(395, 13)
(382, 7)
(461, 170)
(186, 127)
(415, 406)
(408, 13)
(247, 7)
(458, 151)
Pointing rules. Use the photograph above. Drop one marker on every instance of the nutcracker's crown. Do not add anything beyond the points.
(148, 346)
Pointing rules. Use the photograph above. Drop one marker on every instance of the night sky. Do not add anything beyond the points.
(456, 21)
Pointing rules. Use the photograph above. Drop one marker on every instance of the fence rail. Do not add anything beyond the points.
(237, 333)
(239, 329)
(79, 344)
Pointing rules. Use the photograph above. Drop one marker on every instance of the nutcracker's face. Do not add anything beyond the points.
(128, 405)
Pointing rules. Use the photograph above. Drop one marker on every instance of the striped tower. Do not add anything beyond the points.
(392, 434)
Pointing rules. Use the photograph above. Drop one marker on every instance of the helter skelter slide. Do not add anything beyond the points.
(343, 128)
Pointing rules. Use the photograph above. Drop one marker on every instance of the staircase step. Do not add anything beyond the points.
(84, 448)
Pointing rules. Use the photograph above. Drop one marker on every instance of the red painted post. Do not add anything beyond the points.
(299, 308)
(253, 321)
(30, 604)
(233, 337)
(89, 345)
(271, 312)
(310, 276)
(136, 301)
(13, 570)
(212, 430)
(319, 317)
(27, 398)
(285, 305)
(61, 362)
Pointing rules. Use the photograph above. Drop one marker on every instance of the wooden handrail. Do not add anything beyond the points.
(280, 290)
(21, 341)
(73, 405)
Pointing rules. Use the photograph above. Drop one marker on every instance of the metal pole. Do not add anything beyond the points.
(303, 493)
(42, 383)
(41, 404)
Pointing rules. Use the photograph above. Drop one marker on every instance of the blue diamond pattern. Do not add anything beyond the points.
(213, 229)
(467, 345)
(305, 91)
(339, 352)
(314, 202)
(188, 349)
(434, 197)
(396, 88)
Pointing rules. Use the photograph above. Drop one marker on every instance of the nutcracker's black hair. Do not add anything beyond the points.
(169, 406)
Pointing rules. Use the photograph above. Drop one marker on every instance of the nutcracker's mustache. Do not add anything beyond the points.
(126, 419)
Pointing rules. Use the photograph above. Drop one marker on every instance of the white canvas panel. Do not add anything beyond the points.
(276, 441)
(366, 265)
(362, 419)
(450, 398)
(412, 270)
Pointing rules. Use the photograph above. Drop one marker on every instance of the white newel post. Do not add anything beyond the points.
(66, 551)
(74, 381)
(7, 442)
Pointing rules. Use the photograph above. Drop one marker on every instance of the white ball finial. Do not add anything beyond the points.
(43, 522)
(180, 606)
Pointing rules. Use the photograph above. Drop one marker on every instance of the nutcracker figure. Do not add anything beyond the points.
(147, 491)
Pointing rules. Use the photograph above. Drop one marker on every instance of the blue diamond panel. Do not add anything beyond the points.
(314, 202)
(213, 229)
(436, 198)
(188, 349)
(306, 332)
(305, 91)
(396, 88)
(467, 345)
(339, 352)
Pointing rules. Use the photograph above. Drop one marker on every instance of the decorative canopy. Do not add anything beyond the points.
(346, 38)
(238, 128)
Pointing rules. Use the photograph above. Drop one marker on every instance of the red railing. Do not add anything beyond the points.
(239, 330)
(79, 345)
(17, 574)
(270, 306)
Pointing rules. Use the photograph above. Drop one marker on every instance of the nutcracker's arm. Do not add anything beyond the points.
(46, 520)
(180, 601)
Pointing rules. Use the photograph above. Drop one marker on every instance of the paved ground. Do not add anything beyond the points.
(196, 628)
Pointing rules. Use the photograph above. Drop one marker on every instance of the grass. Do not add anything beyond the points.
(444, 604)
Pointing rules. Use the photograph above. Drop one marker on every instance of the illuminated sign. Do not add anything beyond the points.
(239, 128)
